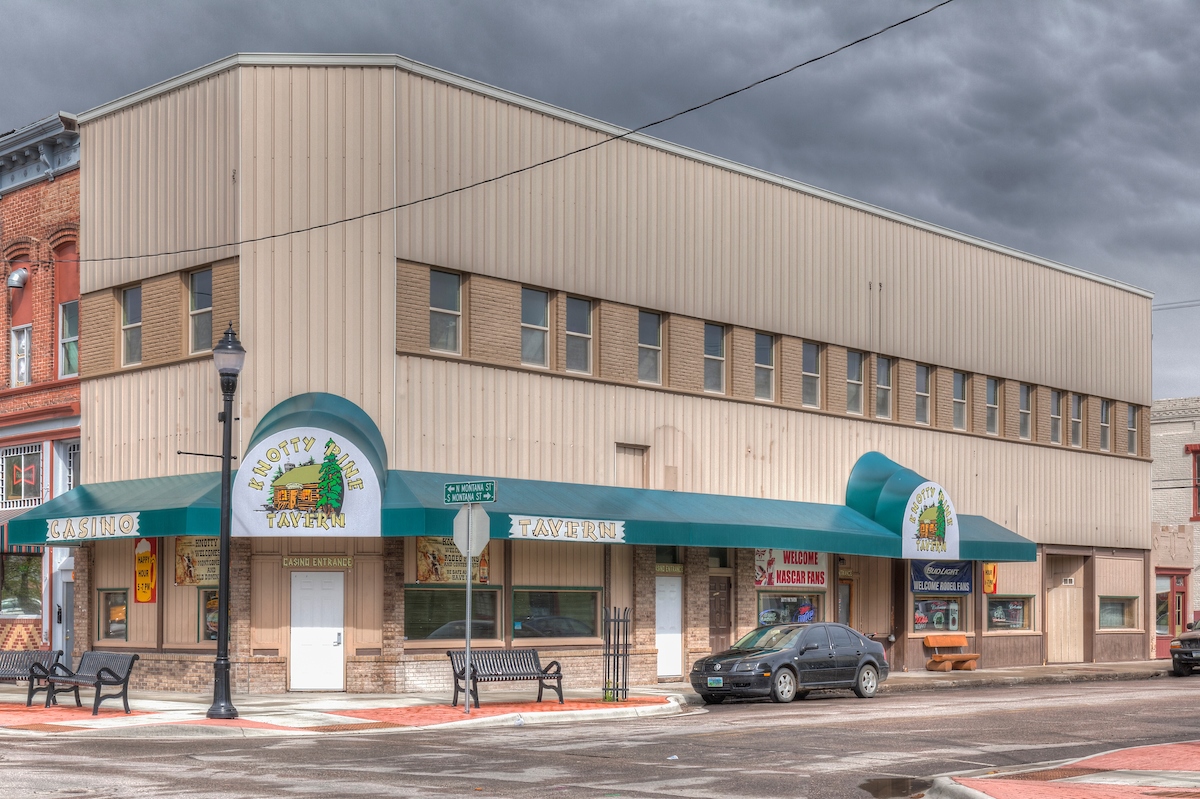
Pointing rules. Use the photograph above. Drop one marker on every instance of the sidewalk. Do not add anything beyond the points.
(163, 714)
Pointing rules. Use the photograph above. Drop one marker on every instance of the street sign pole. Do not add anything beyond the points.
(472, 531)
(467, 679)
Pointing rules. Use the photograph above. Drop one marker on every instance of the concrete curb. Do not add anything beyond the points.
(676, 704)
(947, 788)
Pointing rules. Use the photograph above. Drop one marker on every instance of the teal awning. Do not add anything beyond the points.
(981, 538)
(413, 504)
(187, 504)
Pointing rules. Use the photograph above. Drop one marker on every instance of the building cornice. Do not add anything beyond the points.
(503, 95)
(41, 151)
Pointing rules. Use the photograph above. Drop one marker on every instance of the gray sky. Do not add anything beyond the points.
(1065, 129)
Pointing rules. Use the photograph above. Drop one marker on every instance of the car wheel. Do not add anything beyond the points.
(711, 699)
(1181, 669)
(783, 686)
(867, 683)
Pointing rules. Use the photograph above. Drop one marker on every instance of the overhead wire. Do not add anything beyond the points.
(485, 181)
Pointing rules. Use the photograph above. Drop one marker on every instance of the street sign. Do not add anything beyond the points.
(477, 517)
(477, 491)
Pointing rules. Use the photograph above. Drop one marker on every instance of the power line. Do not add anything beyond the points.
(496, 178)
(1176, 306)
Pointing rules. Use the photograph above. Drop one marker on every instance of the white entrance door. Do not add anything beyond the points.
(1064, 609)
(669, 624)
(317, 662)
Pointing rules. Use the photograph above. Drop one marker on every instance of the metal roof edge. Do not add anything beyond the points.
(504, 95)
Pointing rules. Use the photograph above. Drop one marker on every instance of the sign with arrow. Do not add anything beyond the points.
(476, 491)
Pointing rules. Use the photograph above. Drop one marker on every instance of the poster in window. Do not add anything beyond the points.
(197, 560)
(209, 614)
(145, 571)
(789, 568)
(439, 561)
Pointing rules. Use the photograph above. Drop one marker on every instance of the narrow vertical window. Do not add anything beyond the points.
(714, 358)
(445, 311)
(535, 327)
(811, 375)
(20, 356)
(1055, 417)
(1105, 424)
(993, 406)
(649, 347)
(1026, 411)
(73, 466)
(200, 309)
(922, 406)
(764, 366)
(68, 339)
(131, 325)
(1131, 431)
(22, 476)
(1076, 420)
(960, 401)
(883, 387)
(579, 335)
(854, 382)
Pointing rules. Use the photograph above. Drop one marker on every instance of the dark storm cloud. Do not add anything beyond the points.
(1065, 129)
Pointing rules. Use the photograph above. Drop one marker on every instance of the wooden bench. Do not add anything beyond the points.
(18, 665)
(944, 661)
(96, 669)
(503, 665)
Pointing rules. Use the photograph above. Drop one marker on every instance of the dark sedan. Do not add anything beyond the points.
(786, 661)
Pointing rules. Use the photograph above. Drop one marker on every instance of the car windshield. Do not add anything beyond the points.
(774, 638)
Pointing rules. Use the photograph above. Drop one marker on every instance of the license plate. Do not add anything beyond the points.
(716, 682)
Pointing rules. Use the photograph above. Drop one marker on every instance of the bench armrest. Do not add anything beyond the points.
(40, 671)
(59, 670)
(557, 669)
(103, 674)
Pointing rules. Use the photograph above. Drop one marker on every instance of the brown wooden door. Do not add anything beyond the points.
(720, 619)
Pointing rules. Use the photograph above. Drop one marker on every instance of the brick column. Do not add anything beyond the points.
(745, 600)
(644, 610)
(85, 630)
(393, 613)
(239, 598)
(695, 604)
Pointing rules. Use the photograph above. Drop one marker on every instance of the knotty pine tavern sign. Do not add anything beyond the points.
(551, 528)
(305, 481)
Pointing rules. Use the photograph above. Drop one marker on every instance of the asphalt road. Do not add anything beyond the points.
(825, 746)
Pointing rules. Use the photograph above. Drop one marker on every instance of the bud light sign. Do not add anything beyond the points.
(941, 576)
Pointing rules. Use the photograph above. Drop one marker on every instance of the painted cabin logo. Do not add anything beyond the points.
(930, 524)
(306, 482)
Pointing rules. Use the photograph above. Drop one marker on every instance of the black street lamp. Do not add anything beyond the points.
(228, 357)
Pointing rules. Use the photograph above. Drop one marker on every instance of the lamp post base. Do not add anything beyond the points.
(222, 706)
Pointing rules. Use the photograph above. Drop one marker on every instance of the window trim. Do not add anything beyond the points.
(457, 313)
(808, 378)
(1025, 412)
(992, 421)
(100, 592)
(719, 360)
(544, 330)
(587, 337)
(1105, 425)
(927, 394)
(1056, 397)
(852, 381)
(63, 341)
(767, 368)
(15, 358)
(194, 312)
(1136, 627)
(882, 390)
(957, 403)
(657, 348)
(126, 327)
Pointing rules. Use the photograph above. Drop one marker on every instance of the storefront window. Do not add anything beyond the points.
(113, 614)
(718, 558)
(20, 585)
(209, 614)
(1117, 613)
(555, 614)
(441, 613)
(1009, 613)
(666, 555)
(939, 614)
(782, 608)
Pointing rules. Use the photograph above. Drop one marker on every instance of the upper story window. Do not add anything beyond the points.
(649, 347)
(923, 395)
(1194, 451)
(579, 335)
(993, 406)
(1055, 416)
(1131, 430)
(764, 366)
(854, 382)
(960, 401)
(22, 476)
(1026, 411)
(811, 375)
(74, 464)
(20, 355)
(1076, 420)
(68, 339)
(535, 327)
(131, 325)
(883, 387)
(714, 358)
(1105, 424)
(200, 309)
(445, 310)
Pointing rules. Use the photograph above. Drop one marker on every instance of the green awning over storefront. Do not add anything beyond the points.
(983, 539)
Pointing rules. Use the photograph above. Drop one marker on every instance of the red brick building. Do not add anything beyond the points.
(39, 368)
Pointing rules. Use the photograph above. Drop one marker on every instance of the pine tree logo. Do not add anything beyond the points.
(331, 486)
(941, 519)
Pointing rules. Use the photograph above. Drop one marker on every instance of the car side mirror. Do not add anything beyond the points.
(1191, 624)
(809, 647)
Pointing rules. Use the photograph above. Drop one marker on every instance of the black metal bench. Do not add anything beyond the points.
(503, 665)
(96, 669)
(18, 665)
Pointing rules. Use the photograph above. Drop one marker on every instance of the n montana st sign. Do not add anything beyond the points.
(477, 491)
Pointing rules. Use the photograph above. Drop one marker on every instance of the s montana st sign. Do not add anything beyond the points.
(477, 491)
